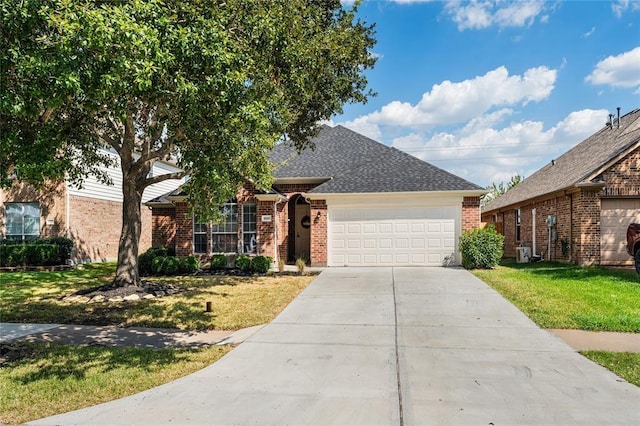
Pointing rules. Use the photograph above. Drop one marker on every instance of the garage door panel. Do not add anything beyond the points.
(615, 217)
(385, 236)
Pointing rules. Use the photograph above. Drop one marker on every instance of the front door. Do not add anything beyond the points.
(302, 230)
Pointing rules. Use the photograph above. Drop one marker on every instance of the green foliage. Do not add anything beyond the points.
(218, 85)
(189, 265)
(261, 264)
(145, 260)
(301, 262)
(497, 190)
(243, 262)
(38, 252)
(481, 248)
(157, 265)
(170, 266)
(218, 262)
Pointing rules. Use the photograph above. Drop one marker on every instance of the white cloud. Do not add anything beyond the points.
(458, 102)
(589, 33)
(485, 13)
(485, 150)
(618, 71)
(364, 127)
(621, 6)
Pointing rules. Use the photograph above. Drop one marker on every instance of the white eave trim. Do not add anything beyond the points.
(423, 194)
(271, 197)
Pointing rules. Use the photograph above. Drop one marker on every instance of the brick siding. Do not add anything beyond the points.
(470, 213)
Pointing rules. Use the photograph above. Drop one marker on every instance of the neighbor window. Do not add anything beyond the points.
(199, 236)
(224, 235)
(22, 221)
(249, 244)
(517, 224)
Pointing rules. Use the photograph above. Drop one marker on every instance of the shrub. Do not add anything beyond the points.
(261, 264)
(34, 253)
(65, 247)
(170, 266)
(481, 248)
(243, 262)
(301, 262)
(157, 265)
(218, 262)
(144, 262)
(189, 264)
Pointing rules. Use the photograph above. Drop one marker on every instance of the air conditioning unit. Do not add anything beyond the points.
(523, 254)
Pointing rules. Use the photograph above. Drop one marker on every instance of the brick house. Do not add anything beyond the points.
(591, 192)
(91, 215)
(349, 201)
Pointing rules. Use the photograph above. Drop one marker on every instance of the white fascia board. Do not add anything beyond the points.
(399, 198)
(271, 197)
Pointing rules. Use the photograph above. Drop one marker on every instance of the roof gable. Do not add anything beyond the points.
(580, 165)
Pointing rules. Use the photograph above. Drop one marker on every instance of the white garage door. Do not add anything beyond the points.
(393, 236)
(615, 217)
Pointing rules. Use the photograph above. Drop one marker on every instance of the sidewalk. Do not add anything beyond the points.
(156, 338)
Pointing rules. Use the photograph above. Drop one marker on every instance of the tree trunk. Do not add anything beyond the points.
(127, 270)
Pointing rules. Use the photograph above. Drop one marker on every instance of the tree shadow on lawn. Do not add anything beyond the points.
(64, 362)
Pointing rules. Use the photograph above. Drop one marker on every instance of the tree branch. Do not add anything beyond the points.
(157, 179)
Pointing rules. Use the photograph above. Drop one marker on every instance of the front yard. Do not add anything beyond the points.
(39, 380)
(555, 295)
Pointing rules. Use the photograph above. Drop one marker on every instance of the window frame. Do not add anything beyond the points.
(227, 228)
(198, 233)
(249, 228)
(22, 236)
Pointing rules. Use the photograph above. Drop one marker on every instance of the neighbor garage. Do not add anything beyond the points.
(615, 216)
(393, 235)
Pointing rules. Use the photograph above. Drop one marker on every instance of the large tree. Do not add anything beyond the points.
(211, 84)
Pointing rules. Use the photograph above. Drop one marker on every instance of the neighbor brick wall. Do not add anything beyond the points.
(52, 200)
(95, 227)
(623, 178)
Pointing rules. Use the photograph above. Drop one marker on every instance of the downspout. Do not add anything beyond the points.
(533, 243)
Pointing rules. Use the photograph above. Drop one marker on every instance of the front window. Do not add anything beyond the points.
(22, 221)
(199, 236)
(249, 245)
(224, 235)
(517, 224)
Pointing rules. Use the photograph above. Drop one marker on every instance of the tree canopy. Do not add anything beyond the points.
(212, 85)
(497, 190)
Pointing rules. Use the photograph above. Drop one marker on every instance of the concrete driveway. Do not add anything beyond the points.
(388, 346)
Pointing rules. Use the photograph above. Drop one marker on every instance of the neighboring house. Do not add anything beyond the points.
(592, 193)
(348, 201)
(91, 215)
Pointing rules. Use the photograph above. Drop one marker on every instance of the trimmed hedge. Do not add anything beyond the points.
(38, 252)
(481, 248)
(243, 262)
(218, 262)
(160, 261)
(261, 264)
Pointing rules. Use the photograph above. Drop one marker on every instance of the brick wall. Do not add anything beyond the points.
(265, 230)
(587, 208)
(95, 227)
(319, 233)
(52, 200)
(184, 231)
(623, 178)
(163, 222)
(470, 213)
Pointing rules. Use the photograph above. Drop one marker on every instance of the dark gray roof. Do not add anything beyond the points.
(357, 164)
(580, 165)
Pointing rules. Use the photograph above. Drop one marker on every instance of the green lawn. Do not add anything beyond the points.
(624, 364)
(238, 302)
(563, 296)
(40, 380)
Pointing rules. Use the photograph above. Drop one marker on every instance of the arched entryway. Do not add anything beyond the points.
(299, 228)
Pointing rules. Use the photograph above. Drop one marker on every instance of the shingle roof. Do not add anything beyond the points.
(357, 164)
(581, 164)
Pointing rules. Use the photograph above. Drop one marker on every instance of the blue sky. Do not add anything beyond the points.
(490, 89)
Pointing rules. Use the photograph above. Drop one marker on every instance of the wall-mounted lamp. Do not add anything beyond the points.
(318, 215)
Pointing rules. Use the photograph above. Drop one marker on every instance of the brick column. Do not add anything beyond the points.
(318, 233)
(470, 213)
(184, 230)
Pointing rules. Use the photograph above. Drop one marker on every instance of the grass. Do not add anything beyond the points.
(53, 379)
(48, 379)
(624, 364)
(556, 295)
(238, 302)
